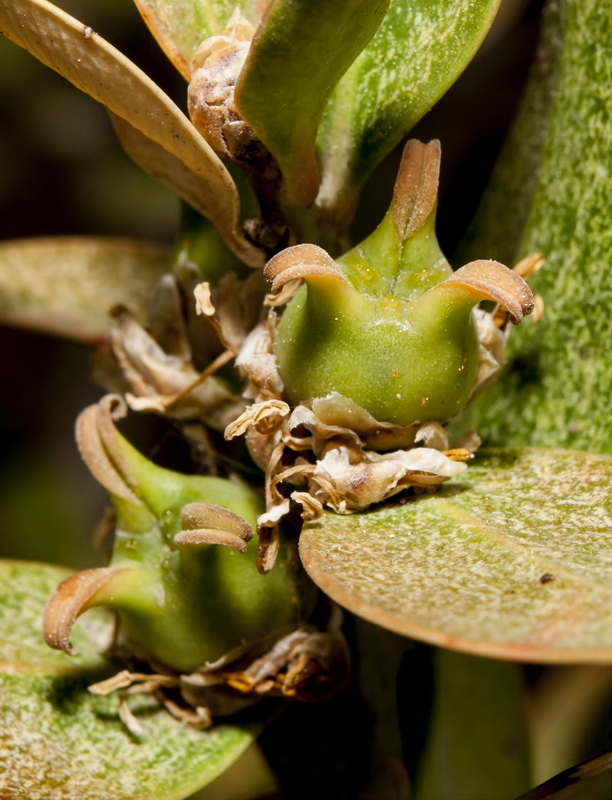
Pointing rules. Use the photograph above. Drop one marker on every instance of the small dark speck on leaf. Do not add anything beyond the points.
(546, 578)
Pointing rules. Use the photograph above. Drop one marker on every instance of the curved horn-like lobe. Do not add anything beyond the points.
(300, 261)
(72, 597)
(490, 280)
(416, 187)
(206, 523)
(93, 448)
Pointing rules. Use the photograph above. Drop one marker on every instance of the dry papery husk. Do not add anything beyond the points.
(154, 362)
(302, 664)
(331, 452)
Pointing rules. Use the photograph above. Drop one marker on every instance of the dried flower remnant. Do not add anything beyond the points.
(189, 322)
(215, 68)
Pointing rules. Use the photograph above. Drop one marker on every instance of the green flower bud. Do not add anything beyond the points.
(183, 573)
(389, 325)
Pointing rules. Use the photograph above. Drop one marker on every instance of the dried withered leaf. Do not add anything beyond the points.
(167, 383)
(264, 417)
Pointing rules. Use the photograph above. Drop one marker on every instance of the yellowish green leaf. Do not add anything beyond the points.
(180, 25)
(59, 742)
(67, 285)
(420, 49)
(97, 68)
(299, 53)
(511, 559)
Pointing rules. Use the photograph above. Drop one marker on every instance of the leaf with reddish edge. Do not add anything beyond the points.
(512, 559)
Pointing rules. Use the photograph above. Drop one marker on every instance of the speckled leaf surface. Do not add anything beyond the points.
(67, 285)
(420, 49)
(551, 193)
(58, 741)
(299, 53)
(97, 68)
(180, 25)
(512, 559)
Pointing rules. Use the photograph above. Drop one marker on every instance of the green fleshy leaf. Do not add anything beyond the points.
(181, 25)
(486, 697)
(59, 742)
(161, 138)
(417, 53)
(298, 55)
(67, 285)
(510, 560)
(549, 194)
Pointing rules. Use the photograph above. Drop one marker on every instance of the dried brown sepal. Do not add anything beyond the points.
(300, 261)
(215, 68)
(72, 598)
(168, 383)
(94, 436)
(269, 543)
(206, 523)
(303, 664)
(416, 187)
(490, 280)
(265, 417)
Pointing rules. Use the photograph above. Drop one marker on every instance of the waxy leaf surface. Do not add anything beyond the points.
(58, 741)
(511, 559)
(299, 53)
(67, 285)
(419, 50)
(97, 68)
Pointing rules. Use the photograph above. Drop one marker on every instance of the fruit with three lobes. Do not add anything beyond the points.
(183, 575)
(389, 325)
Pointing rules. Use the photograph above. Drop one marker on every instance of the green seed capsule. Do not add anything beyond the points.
(183, 574)
(389, 325)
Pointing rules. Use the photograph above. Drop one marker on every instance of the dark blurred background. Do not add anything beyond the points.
(62, 172)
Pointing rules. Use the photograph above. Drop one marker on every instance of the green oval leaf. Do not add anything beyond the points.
(512, 559)
(417, 53)
(97, 68)
(299, 53)
(67, 285)
(180, 25)
(59, 742)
